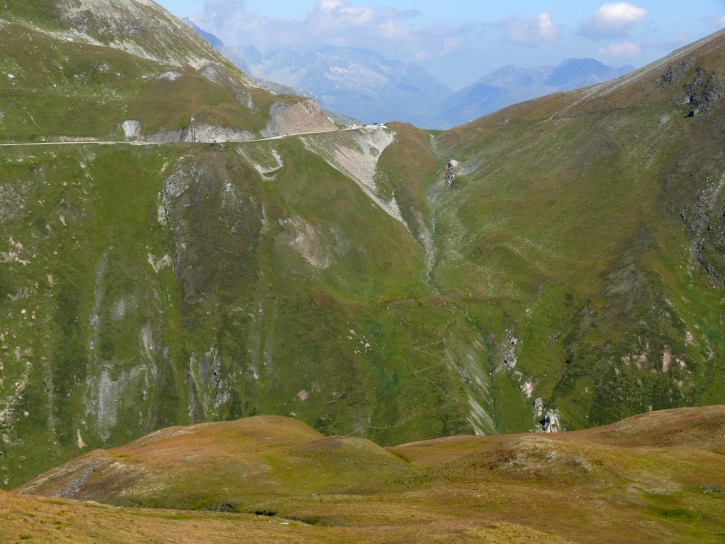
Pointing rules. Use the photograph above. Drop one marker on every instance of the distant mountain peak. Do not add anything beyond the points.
(511, 84)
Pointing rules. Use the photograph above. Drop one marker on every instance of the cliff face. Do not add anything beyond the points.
(302, 117)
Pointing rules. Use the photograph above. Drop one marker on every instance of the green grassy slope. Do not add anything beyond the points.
(588, 227)
(573, 268)
(149, 286)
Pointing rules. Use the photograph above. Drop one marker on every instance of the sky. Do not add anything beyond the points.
(460, 41)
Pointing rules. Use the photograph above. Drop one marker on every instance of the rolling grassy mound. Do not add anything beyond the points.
(653, 476)
(60, 520)
(225, 466)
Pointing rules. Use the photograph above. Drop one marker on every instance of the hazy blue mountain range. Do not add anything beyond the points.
(510, 84)
(352, 81)
(363, 85)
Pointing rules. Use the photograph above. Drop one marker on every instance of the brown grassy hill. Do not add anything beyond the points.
(33, 519)
(657, 476)
(697, 428)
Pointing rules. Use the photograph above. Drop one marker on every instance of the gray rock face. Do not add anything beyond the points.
(171, 75)
(200, 133)
(713, 91)
(131, 128)
(298, 118)
(549, 421)
(674, 74)
(211, 133)
(700, 87)
(451, 171)
(167, 137)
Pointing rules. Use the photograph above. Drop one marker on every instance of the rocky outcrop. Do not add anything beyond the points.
(171, 75)
(676, 72)
(549, 421)
(451, 171)
(700, 87)
(508, 351)
(167, 137)
(299, 118)
(197, 132)
(131, 128)
(204, 133)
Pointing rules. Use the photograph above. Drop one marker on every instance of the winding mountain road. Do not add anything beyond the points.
(136, 142)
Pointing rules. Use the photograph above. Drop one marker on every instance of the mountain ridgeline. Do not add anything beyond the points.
(202, 249)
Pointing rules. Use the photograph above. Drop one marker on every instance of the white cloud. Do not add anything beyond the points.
(660, 43)
(612, 21)
(390, 30)
(217, 12)
(715, 23)
(449, 46)
(337, 22)
(345, 14)
(531, 32)
(625, 49)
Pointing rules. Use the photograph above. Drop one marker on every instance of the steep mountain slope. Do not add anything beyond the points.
(148, 286)
(145, 286)
(655, 476)
(587, 228)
